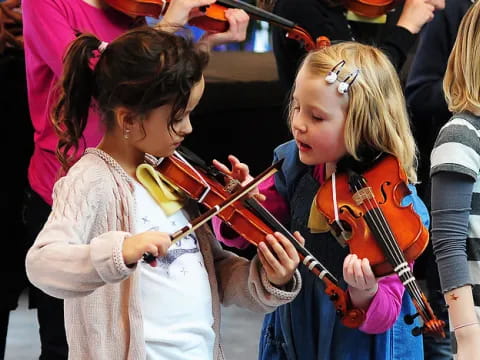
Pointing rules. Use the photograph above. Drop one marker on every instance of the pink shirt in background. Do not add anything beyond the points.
(49, 27)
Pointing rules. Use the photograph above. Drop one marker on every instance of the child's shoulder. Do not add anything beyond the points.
(462, 121)
(457, 147)
(292, 168)
(89, 174)
(462, 128)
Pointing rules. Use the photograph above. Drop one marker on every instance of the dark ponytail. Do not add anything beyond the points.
(141, 70)
(70, 114)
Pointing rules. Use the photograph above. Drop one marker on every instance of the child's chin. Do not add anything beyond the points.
(306, 160)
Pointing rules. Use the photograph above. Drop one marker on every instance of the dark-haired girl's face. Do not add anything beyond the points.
(159, 140)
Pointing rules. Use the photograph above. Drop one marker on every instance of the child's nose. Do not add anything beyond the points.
(186, 126)
(298, 124)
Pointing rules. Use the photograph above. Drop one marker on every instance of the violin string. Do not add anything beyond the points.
(411, 286)
(378, 220)
(377, 217)
(200, 177)
(407, 275)
(310, 261)
(413, 290)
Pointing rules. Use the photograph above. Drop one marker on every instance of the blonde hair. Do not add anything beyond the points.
(461, 83)
(377, 115)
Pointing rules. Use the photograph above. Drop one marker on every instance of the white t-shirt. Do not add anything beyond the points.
(175, 295)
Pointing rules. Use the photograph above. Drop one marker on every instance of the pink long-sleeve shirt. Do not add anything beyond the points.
(387, 302)
(49, 27)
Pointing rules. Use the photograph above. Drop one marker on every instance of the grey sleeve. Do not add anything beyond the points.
(451, 206)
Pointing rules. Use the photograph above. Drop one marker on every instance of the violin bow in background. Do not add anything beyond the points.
(214, 20)
(293, 30)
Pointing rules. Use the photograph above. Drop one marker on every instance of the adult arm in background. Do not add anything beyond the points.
(47, 20)
(424, 91)
(318, 19)
(451, 207)
(180, 11)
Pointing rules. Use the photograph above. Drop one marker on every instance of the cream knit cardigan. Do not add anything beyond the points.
(78, 257)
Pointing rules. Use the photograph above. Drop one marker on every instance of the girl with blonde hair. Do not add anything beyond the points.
(455, 169)
(347, 108)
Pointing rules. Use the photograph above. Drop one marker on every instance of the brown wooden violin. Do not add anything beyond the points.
(214, 20)
(366, 211)
(370, 8)
(250, 220)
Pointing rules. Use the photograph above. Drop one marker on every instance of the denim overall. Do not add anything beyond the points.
(308, 328)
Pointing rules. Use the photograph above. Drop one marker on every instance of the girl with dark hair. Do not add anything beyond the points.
(105, 217)
(49, 27)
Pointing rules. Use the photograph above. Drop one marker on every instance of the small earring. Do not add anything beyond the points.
(126, 133)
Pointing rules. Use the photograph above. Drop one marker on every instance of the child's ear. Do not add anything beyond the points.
(124, 118)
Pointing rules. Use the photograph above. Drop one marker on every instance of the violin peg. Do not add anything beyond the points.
(334, 296)
(416, 331)
(409, 318)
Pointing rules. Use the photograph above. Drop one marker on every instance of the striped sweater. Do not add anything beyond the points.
(457, 150)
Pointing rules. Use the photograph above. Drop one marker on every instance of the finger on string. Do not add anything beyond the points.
(367, 272)
(288, 248)
(278, 250)
(359, 278)
(266, 265)
(222, 167)
(347, 268)
(299, 237)
(268, 255)
(259, 197)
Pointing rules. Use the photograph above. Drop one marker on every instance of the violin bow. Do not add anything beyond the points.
(202, 219)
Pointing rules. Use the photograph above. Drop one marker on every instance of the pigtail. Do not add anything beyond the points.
(76, 89)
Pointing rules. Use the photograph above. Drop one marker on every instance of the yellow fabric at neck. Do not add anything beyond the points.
(169, 200)
(351, 16)
(317, 223)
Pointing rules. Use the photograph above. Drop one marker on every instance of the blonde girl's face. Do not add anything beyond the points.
(158, 139)
(318, 119)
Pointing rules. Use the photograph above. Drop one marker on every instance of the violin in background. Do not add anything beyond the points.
(214, 20)
(370, 8)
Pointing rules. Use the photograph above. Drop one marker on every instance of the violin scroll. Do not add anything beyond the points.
(350, 317)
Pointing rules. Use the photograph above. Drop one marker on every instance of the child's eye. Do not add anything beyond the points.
(317, 118)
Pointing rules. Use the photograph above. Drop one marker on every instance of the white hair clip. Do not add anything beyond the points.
(103, 45)
(333, 74)
(349, 79)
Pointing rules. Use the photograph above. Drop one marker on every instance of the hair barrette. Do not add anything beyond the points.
(333, 74)
(344, 84)
(347, 82)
